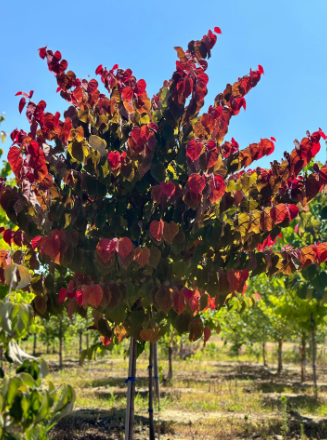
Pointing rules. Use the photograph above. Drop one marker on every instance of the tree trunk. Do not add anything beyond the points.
(150, 369)
(303, 357)
(129, 421)
(181, 350)
(80, 345)
(313, 343)
(87, 340)
(34, 344)
(280, 352)
(156, 374)
(265, 363)
(60, 344)
(170, 362)
(48, 350)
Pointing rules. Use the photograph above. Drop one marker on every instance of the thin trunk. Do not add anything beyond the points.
(87, 340)
(170, 362)
(303, 357)
(48, 351)
(280, 361)
(181, 349)
(313, 343)
(264, 354)
(80, 346)
(151, 421)
(34, 344)
(156, 374)
(129, 421)
(60, 344)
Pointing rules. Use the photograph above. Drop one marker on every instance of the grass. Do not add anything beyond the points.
(223, 395)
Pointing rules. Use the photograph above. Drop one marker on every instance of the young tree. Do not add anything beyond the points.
(139, 208)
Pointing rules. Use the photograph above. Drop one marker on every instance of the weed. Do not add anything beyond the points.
(285, 426)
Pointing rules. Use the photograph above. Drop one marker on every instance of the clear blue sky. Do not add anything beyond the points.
(287, 37)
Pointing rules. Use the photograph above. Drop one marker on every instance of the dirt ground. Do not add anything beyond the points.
(207, 399)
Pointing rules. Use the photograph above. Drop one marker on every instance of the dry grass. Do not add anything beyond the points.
(214, 395)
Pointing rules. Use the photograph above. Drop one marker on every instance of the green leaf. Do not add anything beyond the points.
(158, 172)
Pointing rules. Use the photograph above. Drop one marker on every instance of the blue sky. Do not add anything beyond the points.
(288, 38)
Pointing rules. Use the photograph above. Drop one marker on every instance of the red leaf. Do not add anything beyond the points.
(207, 334)
(142, 255)
(127, 94)
(36, 240)
(8, 235)
(179, 304)
(273, 139)
(21, 105)
(124, 247)
(99, 70)
(279, 213)
(62, 294)
(292, 211)
(194, 149)
(70, 288)
(322, 134)
(260, 68)
(19, 93)
(92, 87)
(107, 341)
(217, 30)
(57, 55)
(187, 293)
(51, 247)
(114, 160)
(237, 279)
(31, 94)
(79, 297)
(196, 183)
(156, 229)
(43, 52)
(217, 187)
(106, 248)
(168, 188)
(194, 302)
(18, 237)
(93, 295)
(15, 158)
(141, 86)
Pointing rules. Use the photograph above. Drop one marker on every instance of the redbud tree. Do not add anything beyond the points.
(140, 208)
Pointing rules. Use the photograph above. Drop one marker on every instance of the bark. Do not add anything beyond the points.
(156, 374)
(87, 340)
(150, 369)
(264, 353)
(129, 421)
(170, 362)
(280, 360)
(313, 343)
(34, 344)
(60, 344)
(303, 357)
(80, 345)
